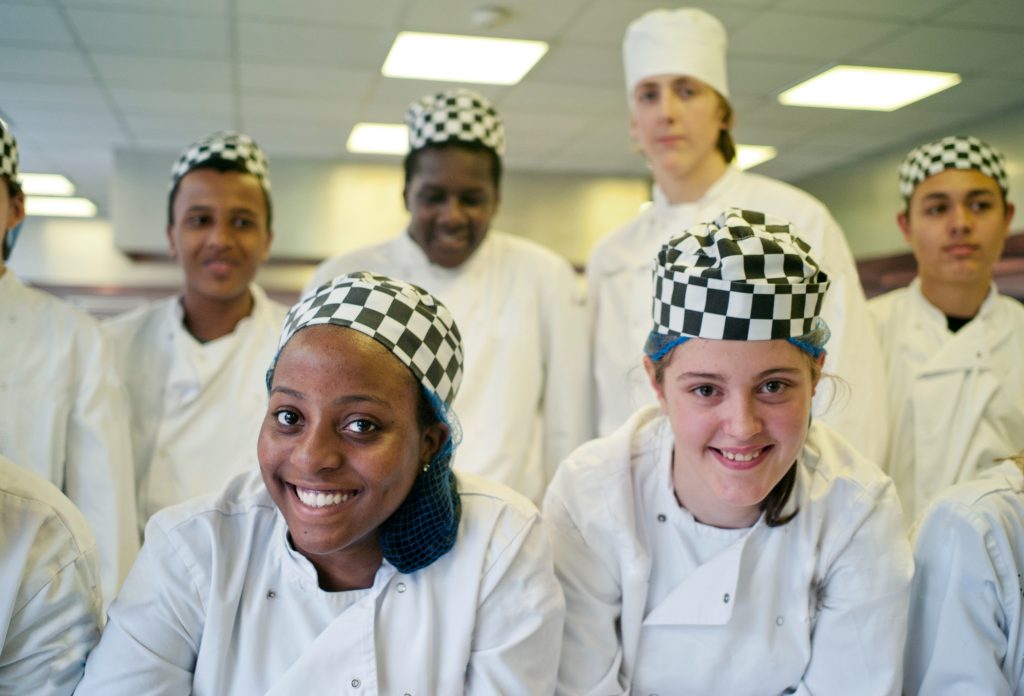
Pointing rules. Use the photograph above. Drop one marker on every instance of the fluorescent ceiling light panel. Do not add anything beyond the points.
(46, 185)
(379, 139)
(450, 58)
(748, 156)
(870, 89)
(50, 206)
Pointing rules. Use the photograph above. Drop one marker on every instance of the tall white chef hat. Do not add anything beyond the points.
(684, 41)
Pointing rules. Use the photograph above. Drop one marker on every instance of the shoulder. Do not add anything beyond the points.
(990, 502)
(374, 257)
(1011, 307)
(884, 306)
(836, 470)
(35, 502)
(139, 320)
(525, 250)
(616, 244)
(785, 196)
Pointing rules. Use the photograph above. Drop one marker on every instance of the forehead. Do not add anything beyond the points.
(329, 351)
(955, 183)
(735, 360)
(667, 80)
(453, 164)
(209, 186)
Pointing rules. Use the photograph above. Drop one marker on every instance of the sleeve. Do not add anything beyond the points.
(518, 633)
(855, 404)
(955, 635)
(48, 639)
(592, 642)
(568, 392)
(151, 642)
(858, 634)
(99, 477)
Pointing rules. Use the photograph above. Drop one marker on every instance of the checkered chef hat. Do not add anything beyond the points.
(8, 153)
(683, 41)
(454, 115)
(953, 152)
(405, 319)
(746, 276)
(224, 145)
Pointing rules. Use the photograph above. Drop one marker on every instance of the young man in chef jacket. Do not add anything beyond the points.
(954, 346)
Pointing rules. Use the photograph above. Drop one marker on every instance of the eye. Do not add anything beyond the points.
(473, 200)
(936, 209)
(432, 197)
(361, 426)
(286, 417)
(981, 206)
(243, 223)
(705, 391)
(197, 220)
(773, 386)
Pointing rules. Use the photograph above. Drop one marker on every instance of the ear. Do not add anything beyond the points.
(652, 376)
(903, 220)
(266, 247)
(820, 360)
(17, 210)
(171, 247)
(1010, 210)
(434, 436)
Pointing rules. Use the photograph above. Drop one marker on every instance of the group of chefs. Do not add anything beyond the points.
(727, 442)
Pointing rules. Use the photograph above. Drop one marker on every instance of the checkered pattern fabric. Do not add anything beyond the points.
(745, 276)
(224, 145)
(8, 153)
(953, 152)
(405, 319)
(454, 115)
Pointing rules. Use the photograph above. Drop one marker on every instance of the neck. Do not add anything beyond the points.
(208, 320)
(349, 571)
(692, 185)
(698, 502)
(961, 301)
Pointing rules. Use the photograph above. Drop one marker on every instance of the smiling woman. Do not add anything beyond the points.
(723, 543)
(358, 545)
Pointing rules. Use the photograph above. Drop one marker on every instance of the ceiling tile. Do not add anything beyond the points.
(177, 103)
(215, 8)
(882, 9)
(60, 66)
(290, 43)
(383, 14)
(754, 78)
(311, 80)
(819, 38)
(165, 72)
(941, 48)
(298, 110)
(605, 21)
(38, 96)
(999, 15)
(582, 100)
(579, 63)
(527, 19)
(151, 33)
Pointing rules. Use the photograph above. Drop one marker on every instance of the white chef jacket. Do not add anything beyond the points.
(965, 612)
(620, 290)
(957, 399)
(51, 608)
(197, 407)
(818, 605)
(525, 399)
(219, 603)
(64, 415)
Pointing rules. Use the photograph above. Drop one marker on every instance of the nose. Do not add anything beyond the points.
(316, 449)
(668, 105)
(220, 234)
(961, 219)
(743, 421)
(452, 212)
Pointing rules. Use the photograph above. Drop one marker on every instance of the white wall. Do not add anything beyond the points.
(864, 198)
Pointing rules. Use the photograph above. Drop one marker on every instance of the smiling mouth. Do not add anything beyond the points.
(741, 460)
(321, 499)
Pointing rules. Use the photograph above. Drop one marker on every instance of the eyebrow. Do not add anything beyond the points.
(973, 193)
(714, 376)
(341, 400)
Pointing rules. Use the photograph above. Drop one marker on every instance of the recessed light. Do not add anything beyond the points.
(379, 139)
(871, 89)
(450, 58)
(52, 206)
(46, 185)
(748, 156)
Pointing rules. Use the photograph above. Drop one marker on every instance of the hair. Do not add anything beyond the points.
(13, 187)
(223, 166)
(726, 145)
(409, 164)
(774, 504)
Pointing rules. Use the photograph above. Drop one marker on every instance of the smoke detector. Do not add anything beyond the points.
(488, 16)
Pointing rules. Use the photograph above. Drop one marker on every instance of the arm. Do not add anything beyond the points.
(99, 477)
(52, 632)
(155, 627)
(568, 401)
(956, 635)
(858, 635)
(518, 632)
(592, 647)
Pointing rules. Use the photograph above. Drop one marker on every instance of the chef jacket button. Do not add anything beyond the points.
(400, 587)
(725, 598)
(356, 683)
(662, 518)
(303, 585)
(271, 594)
(779, 621)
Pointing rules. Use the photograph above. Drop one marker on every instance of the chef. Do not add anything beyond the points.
(722, 542)
(681, 120)
(192, 362)
(953, 345)
(526, 397)
(359, 563)
(63, 412)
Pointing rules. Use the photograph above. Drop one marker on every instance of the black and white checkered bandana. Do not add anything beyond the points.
(953, 152)
(405, 319)
(454, 115)
(744, 277)
(8, 153)
(224, 145)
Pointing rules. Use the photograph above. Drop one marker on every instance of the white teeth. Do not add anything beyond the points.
(737, 457)
(319, 499)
